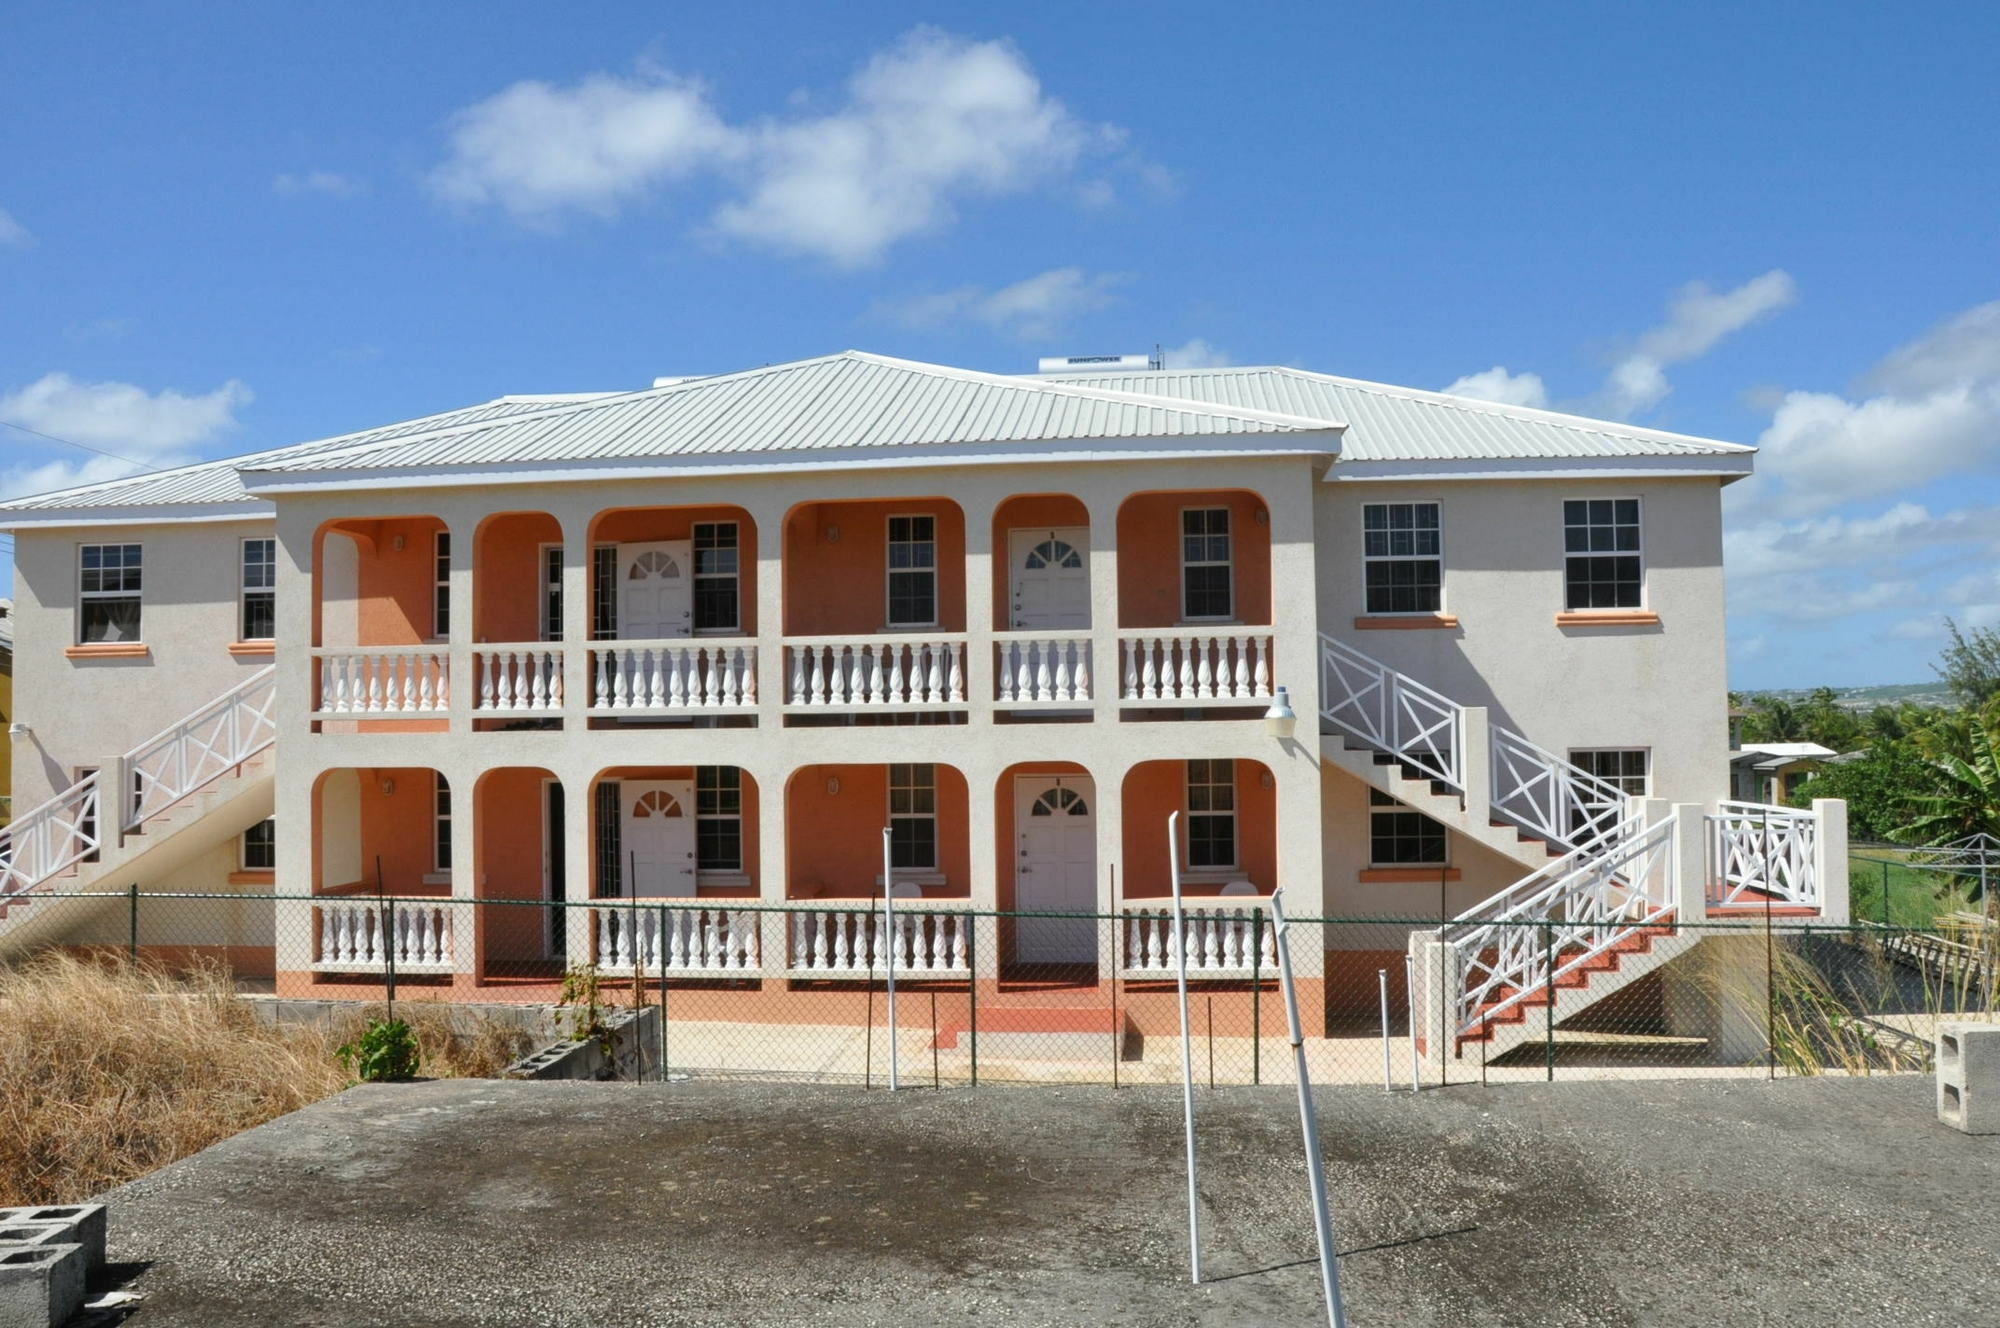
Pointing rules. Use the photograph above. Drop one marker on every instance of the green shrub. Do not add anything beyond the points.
(387, 1049)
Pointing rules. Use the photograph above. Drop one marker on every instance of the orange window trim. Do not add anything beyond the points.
(108, 650)
(1407, 875)
(1413, 623)
(252, 877)
(1608, 618)
(252, 647)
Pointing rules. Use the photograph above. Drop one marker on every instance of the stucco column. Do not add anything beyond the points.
(978, 572)
(773, 857)
(1110, 822)
(770, 581)
(464, 682)
(468, 924)
(579, 841)
(1830, 858)
(576, 613)
(1107, 670)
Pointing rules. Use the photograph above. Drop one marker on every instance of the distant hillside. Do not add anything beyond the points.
(1867, 698)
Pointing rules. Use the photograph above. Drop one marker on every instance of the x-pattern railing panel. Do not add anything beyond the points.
(1392, 712)
(1758, 852)
(202, 747)
(1549, 797)
(49, 838)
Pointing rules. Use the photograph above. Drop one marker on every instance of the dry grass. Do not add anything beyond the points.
(110, 1070)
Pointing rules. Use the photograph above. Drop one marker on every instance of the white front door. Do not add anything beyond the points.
(1055, 829)
(658, 837)
(656, 590)
(1050, 580)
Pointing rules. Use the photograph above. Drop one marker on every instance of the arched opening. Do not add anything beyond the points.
(1228, 830)
(1194, 557)
(517, 819)
(834, 818)
(381, 615)
(863, 568)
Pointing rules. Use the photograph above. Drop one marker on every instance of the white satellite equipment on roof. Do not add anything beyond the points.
(1062, 364)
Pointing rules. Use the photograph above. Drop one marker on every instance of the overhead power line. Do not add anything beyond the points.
(81, 447)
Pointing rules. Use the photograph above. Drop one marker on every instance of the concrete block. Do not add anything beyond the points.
(85, 1223)
(41, 1286)
(1968, 1077)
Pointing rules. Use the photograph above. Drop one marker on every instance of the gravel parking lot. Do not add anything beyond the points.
(477, 1202)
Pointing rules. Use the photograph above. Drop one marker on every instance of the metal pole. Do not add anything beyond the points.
(972, 987)
(889, 917)
(387, 923)
(1410, 985)
(133, 945)
(1256, 996)
(1382, 979)
(1187, 1048)
(1549, 1019)
(1329, 1272)
(665, 1078)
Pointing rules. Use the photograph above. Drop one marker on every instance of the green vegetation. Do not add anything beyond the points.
(385, 1051)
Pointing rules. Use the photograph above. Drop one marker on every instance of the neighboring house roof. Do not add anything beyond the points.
(857, 407)
(1797, 751)
(218, 483)
(6, 626)
(798, 412)
(1399, 426)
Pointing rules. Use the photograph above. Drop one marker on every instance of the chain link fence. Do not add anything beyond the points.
(802, 992)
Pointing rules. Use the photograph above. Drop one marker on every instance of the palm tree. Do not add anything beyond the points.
(1963, 752)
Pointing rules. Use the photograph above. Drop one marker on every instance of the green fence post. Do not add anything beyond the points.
(665, 1078)
(972, 989)
(1549, 1021)
(1257, 995)
(132, 925)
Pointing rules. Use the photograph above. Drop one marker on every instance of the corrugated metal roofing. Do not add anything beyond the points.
(219, 481)
(849, 400)
(1387, 423)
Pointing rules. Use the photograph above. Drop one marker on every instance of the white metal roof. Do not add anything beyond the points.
(852, 400)
(219, 482)
(1404, 424)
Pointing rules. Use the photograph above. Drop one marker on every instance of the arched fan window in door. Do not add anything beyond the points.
(1053, 553)
(1059, 802)
(656, 803)
(653, 563)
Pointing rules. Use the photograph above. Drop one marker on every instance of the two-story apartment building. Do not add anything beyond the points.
(705, 642)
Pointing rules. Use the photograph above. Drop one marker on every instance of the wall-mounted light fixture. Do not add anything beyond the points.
(18, 730)
(1281, 719)
(1261, 516)
(396, 543)
(388, 788)
(832, 785)
(833, 534)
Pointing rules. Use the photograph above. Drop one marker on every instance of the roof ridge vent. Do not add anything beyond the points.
(1066, 364)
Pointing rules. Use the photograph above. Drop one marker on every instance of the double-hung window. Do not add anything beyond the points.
(1399, 836)
(912, 571)
(440, 823)
(716, 572)
(260, 846)
(1603, 566)
(259, 617)
(913, 817)
(110, 576)
(1403, 554)
(604, 592)
(1623, 767)
(441, 586)
(718, 818)
(1207, 583)
(552, 592)
(1211, 801)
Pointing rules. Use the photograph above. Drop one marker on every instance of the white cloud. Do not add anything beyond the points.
(927, 123)
(1196, 354)
(1033, 308)
(1697, 319)
(148, 429)
(331, 183)
(13, 232)
(1937, 413)
(1497, 384)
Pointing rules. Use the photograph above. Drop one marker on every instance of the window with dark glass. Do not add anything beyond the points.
(604, 592)
(441, 823)
(1602, 558)
(1211, 800)
(1207, 581)
(260, 593)
(441, 590)
(1623, 767)
(109, 584)
(1402, 554)
(608, 840)
(913, 817)
(912, 571)
(1399, 836)
(716, 577)
(552, 592)
(260, 846)
(718, 812)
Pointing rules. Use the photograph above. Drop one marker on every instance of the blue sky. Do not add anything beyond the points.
(225, 227)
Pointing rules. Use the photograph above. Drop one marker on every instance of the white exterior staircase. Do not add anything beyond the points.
(205, 779)
(1612, 876)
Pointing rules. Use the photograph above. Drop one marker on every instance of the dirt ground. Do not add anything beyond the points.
(478, 1202)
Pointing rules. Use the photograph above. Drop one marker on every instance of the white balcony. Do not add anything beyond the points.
(362, 935)
(707, 676)
(383, 680)
(690, 942)
(875, 673)
(1225, 937)
(1195, 668)
(1047, 670)
(518, 680)
(855, 941)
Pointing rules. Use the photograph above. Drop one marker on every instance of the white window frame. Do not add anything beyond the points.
(1562, 537)
(696, 576)
(1180, 543)
(1368, 559)
(243, 862)
(1397, 807)
(85, 596)
(1235, 821)
(441, 585)
(889, 571)
(1645, 754)
(552, 592)
(603, 589)
(914, 869)
(244, 590)
(737, 875)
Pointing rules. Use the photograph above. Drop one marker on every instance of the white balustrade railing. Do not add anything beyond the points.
(1759, 854)
(1039, 669)
(517, 678)
(1551, 923)
(360, 935)
(384, 680)
(1195, 666)
(49, 838)
(1549, 797)
(1221, 942)
(878, 671)
(1391, 712)
(680, 940)
(855, 941)
(201, 748)
(673, 675)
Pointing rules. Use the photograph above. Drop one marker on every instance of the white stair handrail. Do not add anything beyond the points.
(1762, 853)
(1548, 796)
(50, 837)
(1392, 712)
